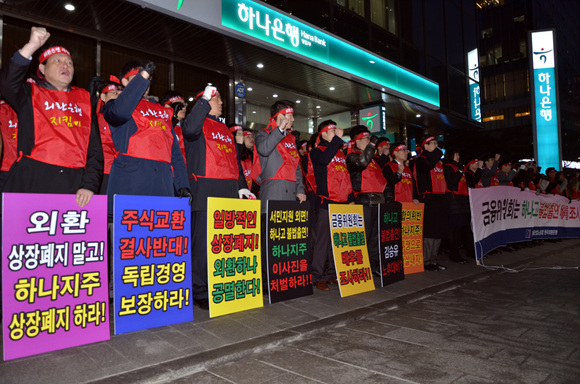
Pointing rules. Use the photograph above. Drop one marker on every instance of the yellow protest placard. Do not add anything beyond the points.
(234, 255)
(351, 258)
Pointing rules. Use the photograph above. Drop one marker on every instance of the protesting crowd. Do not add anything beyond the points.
(116, 140)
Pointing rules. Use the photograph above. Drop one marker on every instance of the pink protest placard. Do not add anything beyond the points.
(54, 273)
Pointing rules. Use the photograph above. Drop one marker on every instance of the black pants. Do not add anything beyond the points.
(322, 258)
(199, 254)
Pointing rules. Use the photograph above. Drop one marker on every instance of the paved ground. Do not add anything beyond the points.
(467, 324)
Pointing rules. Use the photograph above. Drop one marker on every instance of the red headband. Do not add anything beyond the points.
(361, 136)
(110, 87)
(328, 128)
(427, 140)
(471, 162)
(201, 93)
(52, 51)
(284, 111)
(235, 128)
(382, 144)
(304, 145)
(248, 133)
(174, 99)
(132, 72)
(399, 147)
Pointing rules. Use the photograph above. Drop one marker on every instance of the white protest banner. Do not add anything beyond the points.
(502, 215)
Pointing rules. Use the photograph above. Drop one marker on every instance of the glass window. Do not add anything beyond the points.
(434, 29)
(454, 35)
(357, 6)
(383, 14)
(351, 28)
(411, 24)
(378, 13)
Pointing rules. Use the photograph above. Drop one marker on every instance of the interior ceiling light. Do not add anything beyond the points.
(318, 107)
(371, 61)
(191, 99)
(275, 95)
(260, 65)
(417, 115)
(297, 101)
(332, 88)
(69, 7)
(250, 89)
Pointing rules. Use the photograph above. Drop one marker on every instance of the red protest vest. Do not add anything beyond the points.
(62, 126)
(154, 138)
(290, 158)
(338, 178)
(310, 178)
(109, 151)
(404, 188)
(9, 128)
(461, 186)
(179, 133)
(221, 161)
(372, 177)
(438, 184)
(247, 167)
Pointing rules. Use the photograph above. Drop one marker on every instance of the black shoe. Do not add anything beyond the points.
(440, 267)
(201, 303)
(431, 267)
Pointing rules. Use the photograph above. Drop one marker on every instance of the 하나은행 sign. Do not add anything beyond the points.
(289, 253)
(54, 273)
(152, 262)
(351, 258)
(234, 255)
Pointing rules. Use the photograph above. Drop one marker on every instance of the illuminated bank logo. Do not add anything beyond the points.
(179, 4)
(375, 118)
(544, 94)
(543, 55)
(474, 73)
(474, 89)
(368, 120)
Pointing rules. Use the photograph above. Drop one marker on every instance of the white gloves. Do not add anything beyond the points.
(209, 92)
(244, 192)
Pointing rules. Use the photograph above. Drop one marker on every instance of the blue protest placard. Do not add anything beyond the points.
(152, 264)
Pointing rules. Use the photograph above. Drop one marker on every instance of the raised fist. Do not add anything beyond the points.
(38, 36)
(149, 67)
(209, 92)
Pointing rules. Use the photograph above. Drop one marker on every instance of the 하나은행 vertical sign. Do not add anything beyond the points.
(289, 253)
(412, 228)
(545, 116)
(152, 262)
(54, 273)
(390, 243)
(351, 258)
(234, 255)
